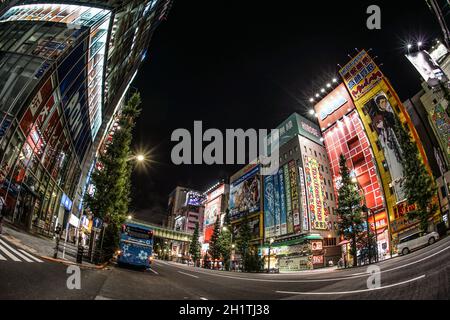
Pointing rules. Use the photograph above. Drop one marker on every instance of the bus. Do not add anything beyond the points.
(135, 246)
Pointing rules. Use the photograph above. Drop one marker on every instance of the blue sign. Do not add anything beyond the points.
(66, 202)
(97, 223)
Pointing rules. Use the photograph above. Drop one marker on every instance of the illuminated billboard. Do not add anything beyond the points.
(427, 67)
(213, 211)
(360, 75)
(245, 194)
(383, 120)
(293, 178)
(316, 194)
(276, 204)
(334, 106)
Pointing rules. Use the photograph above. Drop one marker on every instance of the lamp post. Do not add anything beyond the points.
(270, 249)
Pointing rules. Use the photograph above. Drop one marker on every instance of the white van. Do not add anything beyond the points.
(416, 241)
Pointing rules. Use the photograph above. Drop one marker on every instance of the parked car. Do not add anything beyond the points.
(415, 241)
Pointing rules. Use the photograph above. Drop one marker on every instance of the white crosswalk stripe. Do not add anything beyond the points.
(16, 255)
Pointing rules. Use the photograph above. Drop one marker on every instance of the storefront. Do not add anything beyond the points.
(295, 254)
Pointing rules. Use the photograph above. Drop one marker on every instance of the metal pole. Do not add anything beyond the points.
(268, 264)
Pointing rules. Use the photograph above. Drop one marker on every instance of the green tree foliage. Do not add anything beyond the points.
(225, 240)
(351, 222)
(111, 180)
(250, 258)
(214, 245)
(194, 248)
(418, 184)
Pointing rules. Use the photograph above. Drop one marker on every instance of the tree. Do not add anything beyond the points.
(243, 242)
(225, 239)
(214, 246)
(351, 223)
(418, 184)
(111, 178)
(194, 248)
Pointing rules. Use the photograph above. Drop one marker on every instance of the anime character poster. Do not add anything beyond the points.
(383, 122)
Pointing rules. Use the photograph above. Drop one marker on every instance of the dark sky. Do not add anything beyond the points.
(250, 64)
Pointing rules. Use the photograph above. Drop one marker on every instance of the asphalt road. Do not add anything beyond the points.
(424, 274)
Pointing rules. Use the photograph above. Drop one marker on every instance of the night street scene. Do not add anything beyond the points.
(242, 151)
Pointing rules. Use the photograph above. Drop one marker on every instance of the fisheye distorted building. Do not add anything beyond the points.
(65, 68)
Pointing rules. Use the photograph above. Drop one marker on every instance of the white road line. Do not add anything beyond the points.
(30, 256)
(343, 278)
(190, 275)
(202, 298)
(17, 253)
(2, 257)
(9, 254)
(153, 271)
(354, 291)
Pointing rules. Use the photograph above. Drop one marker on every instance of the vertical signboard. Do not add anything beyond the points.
(305, 220)
(283, 228)
(276, 188)
(316, 194)
(287, 187)
(294, 196)
(269, 210)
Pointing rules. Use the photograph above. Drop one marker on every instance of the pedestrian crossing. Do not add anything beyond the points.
(9, 253)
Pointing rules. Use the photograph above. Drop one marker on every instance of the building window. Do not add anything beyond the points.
(331, 196)
(443, 191)
(326, 195)
(329, 242)
(296, 149)
(315, 153)
(290, 152)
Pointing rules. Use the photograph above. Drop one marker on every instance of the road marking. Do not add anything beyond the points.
(153, 271)
(30, 255)
(356, 275)
(190, 275)
(17, 253)
(354, 291)
(9, 254)
(202, 298)
(2, 257)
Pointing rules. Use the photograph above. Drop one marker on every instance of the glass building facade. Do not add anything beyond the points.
(64, 70)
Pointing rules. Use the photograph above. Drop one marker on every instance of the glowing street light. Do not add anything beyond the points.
(140, 157)
(311, 100)
(334, 80)
(311, 112)
(130, 217)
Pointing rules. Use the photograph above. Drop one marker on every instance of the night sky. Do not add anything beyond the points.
(250, 64)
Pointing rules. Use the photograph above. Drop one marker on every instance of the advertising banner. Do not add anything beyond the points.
(277, 206)
(383, 116)
(283, 228)
(360, 75)
(427, 67)
(287, 187)
(305, 220)
(245, 194)
(269, 206)
(316, 194)
(212, 213)
(294, 196)
(334, 106)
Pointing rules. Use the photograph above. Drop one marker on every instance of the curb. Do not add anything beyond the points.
(83, 266)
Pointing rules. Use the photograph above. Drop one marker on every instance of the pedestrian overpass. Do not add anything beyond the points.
(164, 233)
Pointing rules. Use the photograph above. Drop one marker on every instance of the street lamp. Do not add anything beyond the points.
(140, 157)
(270, 249)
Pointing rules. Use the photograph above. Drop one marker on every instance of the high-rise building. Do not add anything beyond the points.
(299, 201)
(378, 107)
(343, 133)
(64, 70)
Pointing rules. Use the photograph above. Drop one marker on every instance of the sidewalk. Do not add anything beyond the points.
(42, 246)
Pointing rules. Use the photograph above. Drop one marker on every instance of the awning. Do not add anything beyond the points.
(343, 243)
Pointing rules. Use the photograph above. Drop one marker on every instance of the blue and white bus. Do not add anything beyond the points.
(136, 245)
